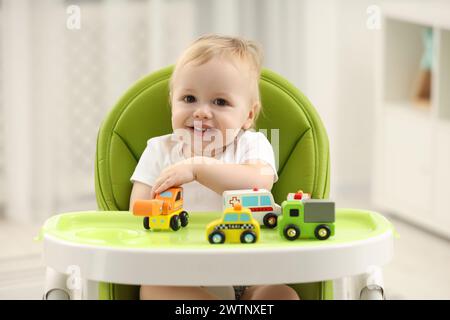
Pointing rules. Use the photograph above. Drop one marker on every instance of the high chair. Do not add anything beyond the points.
(303, 161)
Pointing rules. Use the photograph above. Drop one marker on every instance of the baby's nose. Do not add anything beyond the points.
(203, 112)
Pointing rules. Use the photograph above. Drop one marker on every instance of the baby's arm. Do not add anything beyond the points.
(140, 191)
(216, 175)
(220, 177)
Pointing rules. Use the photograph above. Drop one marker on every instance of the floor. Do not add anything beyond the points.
(21, 267)
(420, 269)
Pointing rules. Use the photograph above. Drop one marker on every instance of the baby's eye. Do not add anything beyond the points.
(189, 99)
(221, 102)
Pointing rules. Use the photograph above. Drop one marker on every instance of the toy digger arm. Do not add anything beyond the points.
(148, 208)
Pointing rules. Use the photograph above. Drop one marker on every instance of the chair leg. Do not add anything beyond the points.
(342, 289)
(372, 285)
(90, 290)
(366, 286)
(55, 286)
(63, 286)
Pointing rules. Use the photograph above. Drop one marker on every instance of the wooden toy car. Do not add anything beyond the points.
(236, 226)
(306, 218)
(259, 201)
(164, 212)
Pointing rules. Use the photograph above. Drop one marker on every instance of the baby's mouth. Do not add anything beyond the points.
(196, 129)
(199, 128)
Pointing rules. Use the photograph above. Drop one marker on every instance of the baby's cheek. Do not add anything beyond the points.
(177, 117)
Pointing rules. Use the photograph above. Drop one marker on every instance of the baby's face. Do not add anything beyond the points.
(212, 102)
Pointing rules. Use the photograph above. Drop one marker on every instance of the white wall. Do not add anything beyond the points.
(320, 69)
(340, 83)
(355, 109)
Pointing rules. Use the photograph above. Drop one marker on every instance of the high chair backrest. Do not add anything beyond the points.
(143, 112)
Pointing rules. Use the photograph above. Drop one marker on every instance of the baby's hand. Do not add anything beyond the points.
(174, 175)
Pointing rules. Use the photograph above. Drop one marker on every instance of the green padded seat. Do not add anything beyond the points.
(143, 112)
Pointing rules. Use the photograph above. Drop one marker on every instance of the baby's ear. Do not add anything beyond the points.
(251, 116)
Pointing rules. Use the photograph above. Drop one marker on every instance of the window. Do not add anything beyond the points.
(166, 194)
(230, 217)
(245, 217)
(293, 212)
(178, 196)
(265, 201)
(250, 201)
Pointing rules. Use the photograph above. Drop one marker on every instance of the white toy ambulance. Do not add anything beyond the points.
(259, 201)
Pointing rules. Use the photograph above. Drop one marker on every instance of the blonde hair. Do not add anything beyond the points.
(209, 46)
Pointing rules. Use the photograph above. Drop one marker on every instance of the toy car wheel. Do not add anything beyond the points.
(248, 236)
(270, 220)
(147, 223)
(291, 232)
(216, 237)
(175, 223)
(184, 218)
(322, 232)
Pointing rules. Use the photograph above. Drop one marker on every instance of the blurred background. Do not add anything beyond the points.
(377, 72)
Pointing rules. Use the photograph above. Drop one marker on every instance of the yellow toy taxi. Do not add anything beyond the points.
(237, 225)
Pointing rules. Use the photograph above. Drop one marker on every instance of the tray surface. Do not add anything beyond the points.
(123, 230)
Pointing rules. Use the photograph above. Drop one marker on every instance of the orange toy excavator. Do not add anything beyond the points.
(164, 212)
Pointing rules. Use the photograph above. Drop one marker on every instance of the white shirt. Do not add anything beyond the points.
(166, 150)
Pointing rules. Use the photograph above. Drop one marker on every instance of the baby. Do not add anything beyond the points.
(214, 97)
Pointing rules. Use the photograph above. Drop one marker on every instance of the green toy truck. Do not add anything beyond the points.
(306, 218)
